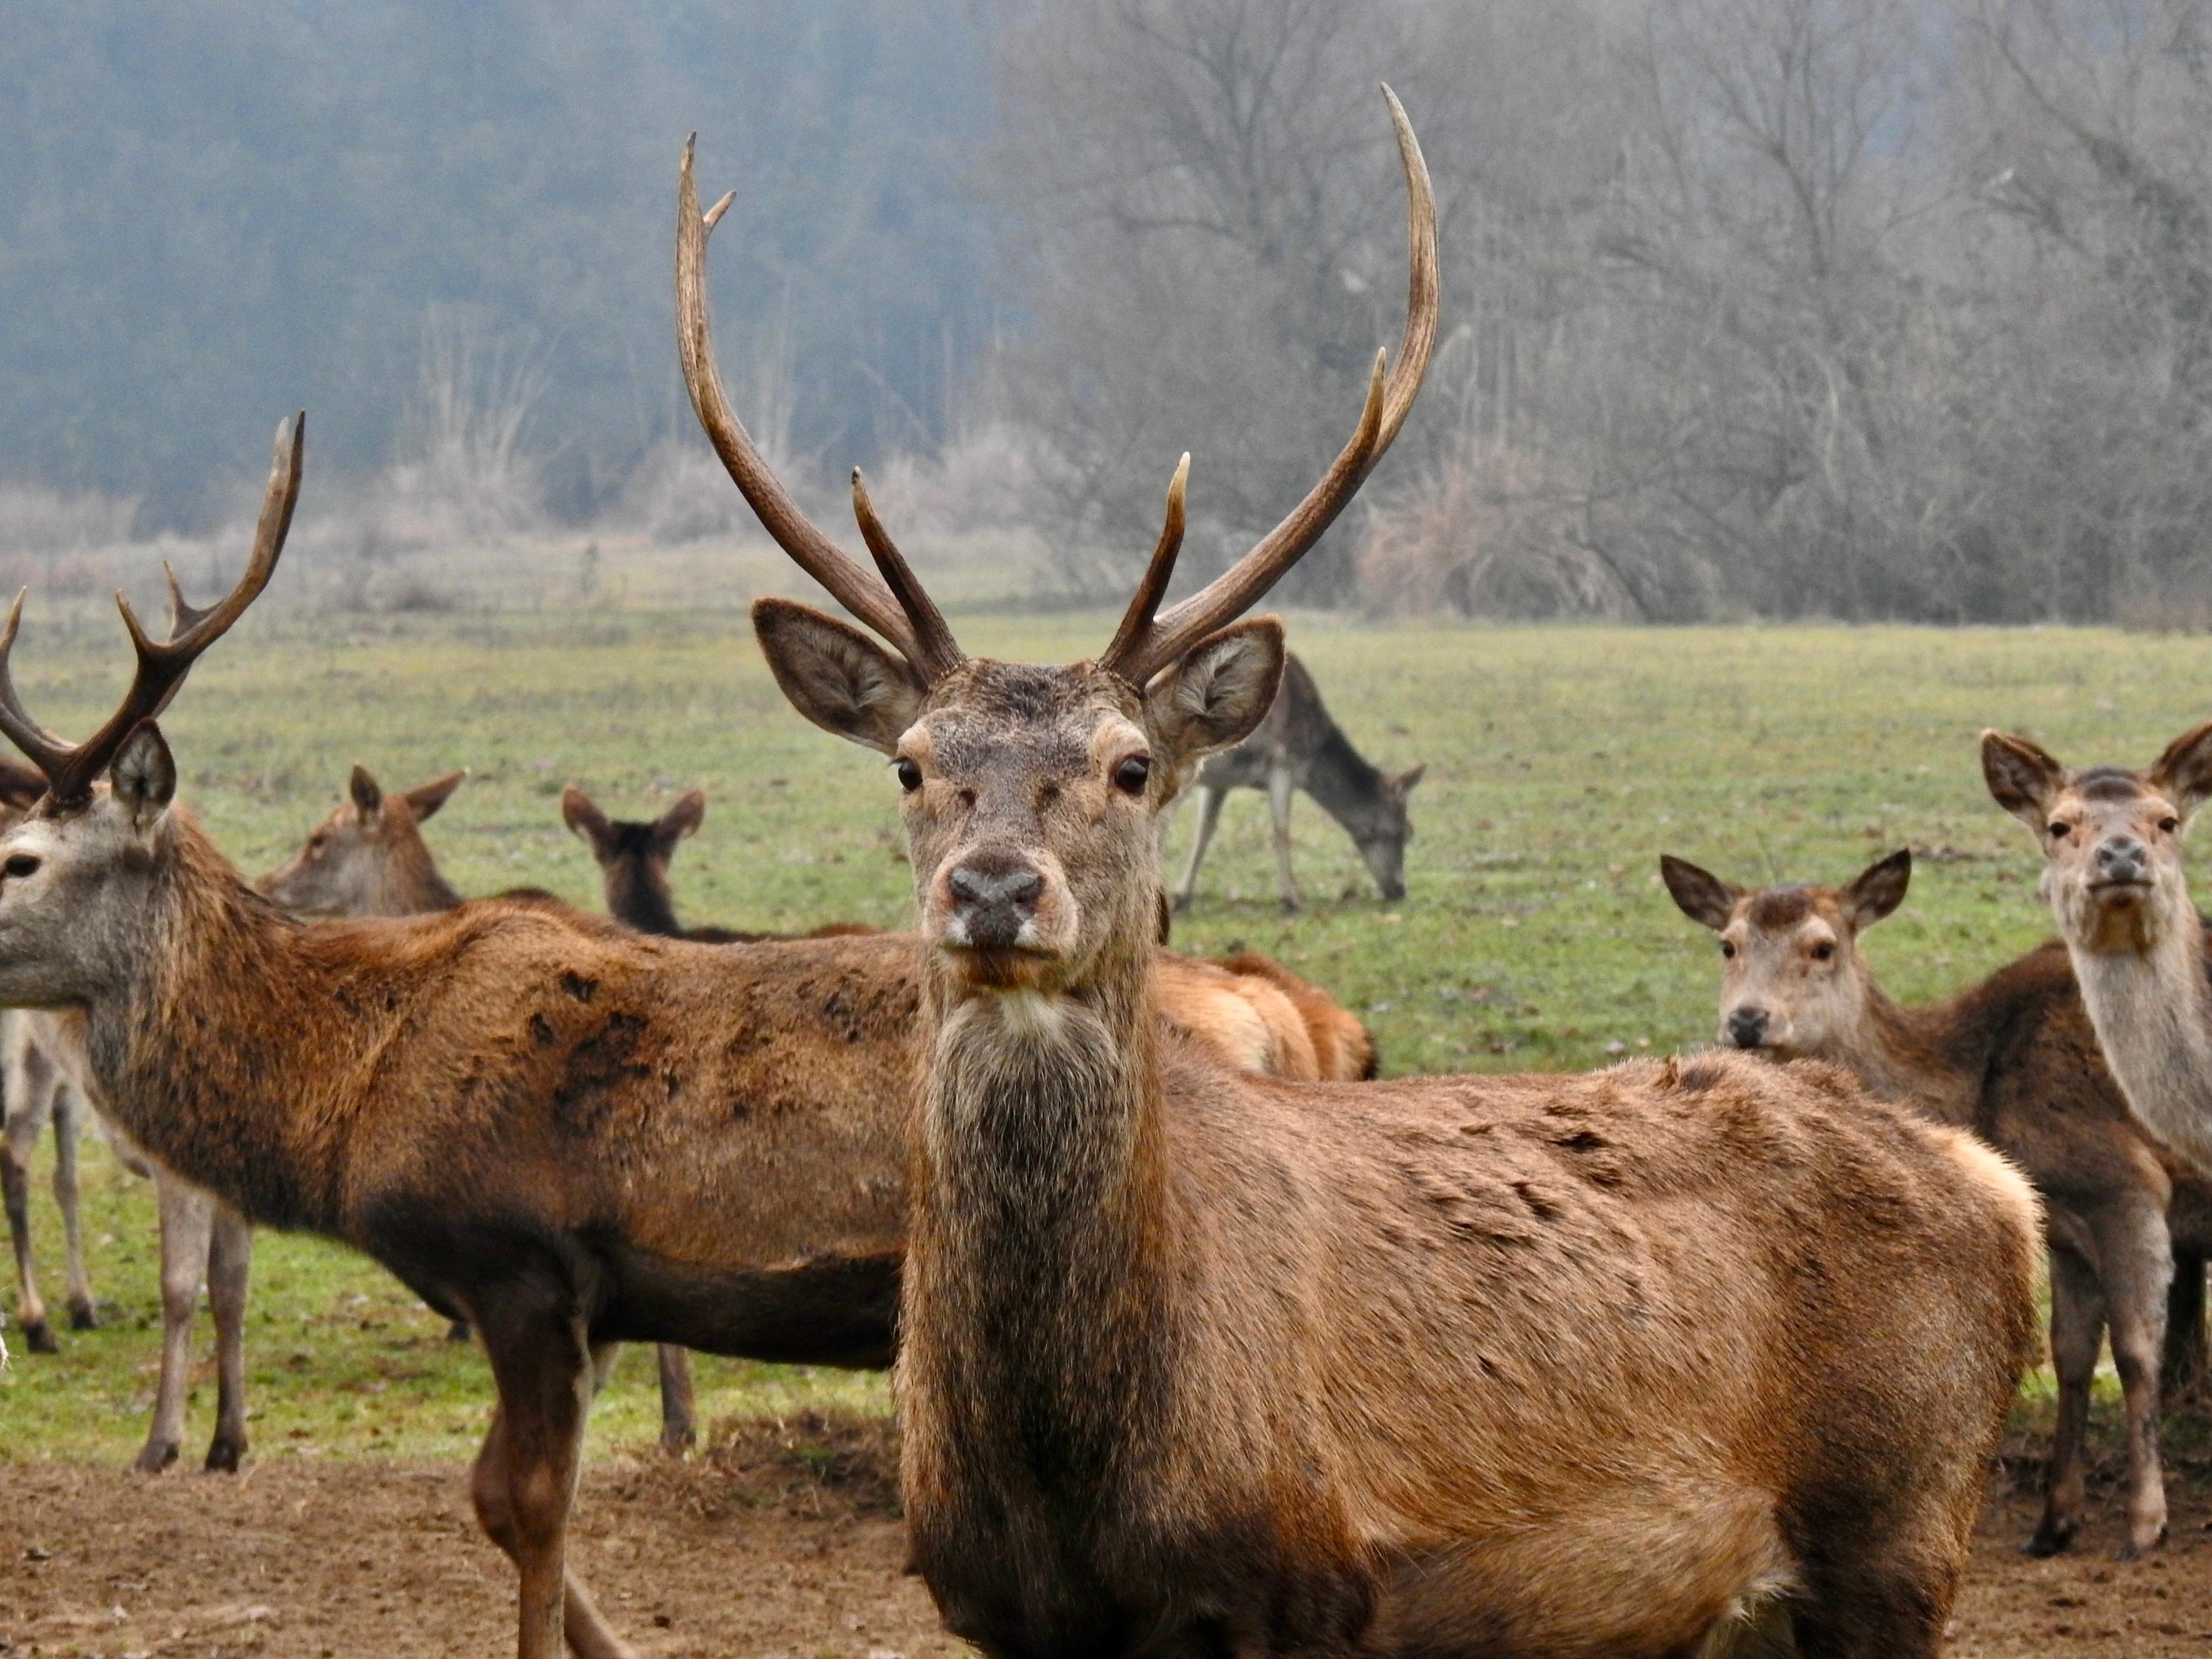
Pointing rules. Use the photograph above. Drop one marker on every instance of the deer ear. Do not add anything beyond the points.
(1701, 895)
(368, 794)
(681, 819)
(20, 785)
(2184, 772)
(1878, 889)
(143, 776)
(1219, 692)
(582, 815)
(836, 674)
(1411, 776)
(424, 799)
(2022, 778)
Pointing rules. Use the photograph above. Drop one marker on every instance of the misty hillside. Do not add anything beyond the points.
(213, 210)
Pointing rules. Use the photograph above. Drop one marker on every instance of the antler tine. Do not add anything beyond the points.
(182, 613)
(71, 769)
(1388, 401)
(860, 592)
(40, 747)
(941, 652)
(1137, 620)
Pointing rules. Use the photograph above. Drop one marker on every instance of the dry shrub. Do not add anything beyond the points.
(679, 493)
(1486, 534)
(810, 1464)
(982, 477)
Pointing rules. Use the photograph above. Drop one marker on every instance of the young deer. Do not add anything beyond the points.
(368, 859)
(1193, 1362)
(1248, 1008)
(1299, 747)
(2014, 1060)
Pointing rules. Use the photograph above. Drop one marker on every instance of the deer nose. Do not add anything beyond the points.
(992, 898)
(2121, 858)
(1746, 1027)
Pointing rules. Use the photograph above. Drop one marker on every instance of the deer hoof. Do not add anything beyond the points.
(2050, 1538)
(223, 1454)
(157, 1457)
(38, 1337)
(1182, 905)
(81, 1317)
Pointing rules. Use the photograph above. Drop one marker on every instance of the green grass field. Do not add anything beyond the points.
(1562, 761)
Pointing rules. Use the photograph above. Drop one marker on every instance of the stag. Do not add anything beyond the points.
(2016, 1061)
(568, 1132)
(1193, 1362)
(1298, 747)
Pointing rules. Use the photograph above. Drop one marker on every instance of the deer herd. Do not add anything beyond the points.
(1206, 1343)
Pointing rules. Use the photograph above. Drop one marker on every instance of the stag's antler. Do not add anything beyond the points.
(1145, 644)
(895, 606)
(71, 768)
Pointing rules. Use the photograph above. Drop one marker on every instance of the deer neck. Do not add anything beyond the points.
(2152, 1014)
(216, 1050)
(1341, 781)
(1035, 1284)
(1902, 1055)
(410, 884)
(638, 897)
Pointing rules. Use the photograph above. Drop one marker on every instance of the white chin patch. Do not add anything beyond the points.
(1028, 1013)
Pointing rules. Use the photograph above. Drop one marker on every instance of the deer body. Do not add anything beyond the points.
(1298, 747)
(2016, 1061)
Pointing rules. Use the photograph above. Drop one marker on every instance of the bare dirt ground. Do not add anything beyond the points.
(780, 1541)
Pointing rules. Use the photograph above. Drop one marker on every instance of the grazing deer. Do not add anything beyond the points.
(1248, 1008)
(2014, 1060)
(1198, 1362)
(2112, 874)
(368, 859)
(1298, 747)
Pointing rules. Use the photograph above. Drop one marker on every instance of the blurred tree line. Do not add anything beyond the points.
(215, 211)
(1860, 308)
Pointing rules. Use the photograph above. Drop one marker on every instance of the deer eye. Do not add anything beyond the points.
(2057, 831)
(1823, 950)
(1727, 949)
(22, 865)
(319, 840)
(909, 774)
(1130, 775)
(2169, 826)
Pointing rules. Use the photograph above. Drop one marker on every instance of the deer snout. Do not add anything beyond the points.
(992, 901)
(2122, 858)
(1746, 1028)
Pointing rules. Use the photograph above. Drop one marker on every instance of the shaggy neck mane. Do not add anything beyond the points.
(2153, 1013)
(236, 1047)
(638, 897)
(1038, 1243)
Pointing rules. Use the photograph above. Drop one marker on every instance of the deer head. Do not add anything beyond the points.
(1793, 982)
(2110, 838)
(367, 858)
(78, 877)
(1029, 791)
(634, 856)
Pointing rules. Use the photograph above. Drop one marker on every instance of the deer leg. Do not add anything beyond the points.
(679, 1429)
(1279, 791)
(68, 1124)
(230, 1263)
(524, 1479)
(1209, 815)
(2183, 1367)
(25, 1117)
(2136, 1262)
(2077, 1331)
(187, 1231)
